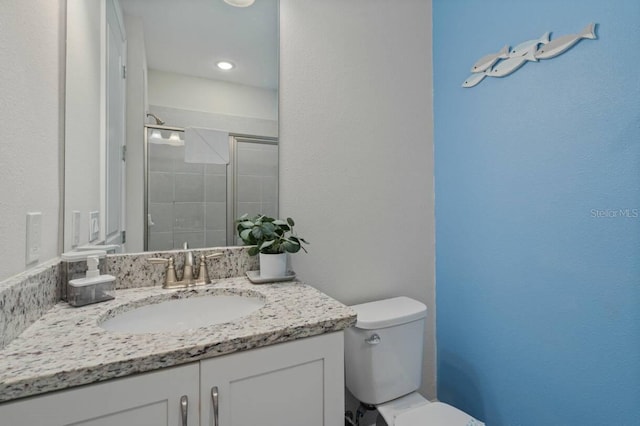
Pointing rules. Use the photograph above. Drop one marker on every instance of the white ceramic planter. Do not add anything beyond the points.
(273, 265)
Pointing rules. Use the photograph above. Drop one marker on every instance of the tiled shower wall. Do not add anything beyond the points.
(187, 202)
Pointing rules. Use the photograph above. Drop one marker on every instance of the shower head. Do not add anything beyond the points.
(158, 121)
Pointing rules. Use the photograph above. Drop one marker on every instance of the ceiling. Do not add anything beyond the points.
(191, 36)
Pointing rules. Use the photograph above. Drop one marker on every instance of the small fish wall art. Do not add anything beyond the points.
(487, 61)
(525, 46)
(511, 64)
(507, 61)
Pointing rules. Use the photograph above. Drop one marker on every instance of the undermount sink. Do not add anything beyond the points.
(181, 314)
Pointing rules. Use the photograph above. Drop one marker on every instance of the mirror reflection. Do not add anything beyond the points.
(162, 145)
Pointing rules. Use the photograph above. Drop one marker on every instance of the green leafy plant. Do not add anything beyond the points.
(269, 235)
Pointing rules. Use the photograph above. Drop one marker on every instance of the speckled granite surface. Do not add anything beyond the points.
(26, 297)
(66, 347)
(134, 270)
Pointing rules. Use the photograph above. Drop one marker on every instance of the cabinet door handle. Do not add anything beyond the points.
(184, 408)
(214, 400)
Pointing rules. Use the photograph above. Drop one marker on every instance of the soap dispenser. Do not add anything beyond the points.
(93, 287)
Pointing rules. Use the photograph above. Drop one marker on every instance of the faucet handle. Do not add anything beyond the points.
(170, 278)
(203, 272)
(160, 260)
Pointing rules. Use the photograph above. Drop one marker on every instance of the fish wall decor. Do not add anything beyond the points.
(475, 78)
(507, 61)
(525, 46)
(510, 65)
(564, 43)
(487, 61)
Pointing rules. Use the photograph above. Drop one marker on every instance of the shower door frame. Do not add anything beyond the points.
(232, 212)
(232, 167)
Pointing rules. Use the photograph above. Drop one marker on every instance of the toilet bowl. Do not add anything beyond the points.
(383, 365)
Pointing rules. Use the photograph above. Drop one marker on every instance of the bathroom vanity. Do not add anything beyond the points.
(280, 365)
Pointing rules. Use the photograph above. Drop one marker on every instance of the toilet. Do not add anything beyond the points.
(383, 365)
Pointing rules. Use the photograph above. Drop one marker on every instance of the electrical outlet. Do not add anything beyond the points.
(75, 226)
(34, 236)
(94, 225)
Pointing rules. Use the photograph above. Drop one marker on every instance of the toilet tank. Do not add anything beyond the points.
(380, 369)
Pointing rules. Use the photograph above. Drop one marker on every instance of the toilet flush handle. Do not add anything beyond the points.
(374, 339)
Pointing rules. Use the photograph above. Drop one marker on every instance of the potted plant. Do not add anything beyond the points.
(272, 239)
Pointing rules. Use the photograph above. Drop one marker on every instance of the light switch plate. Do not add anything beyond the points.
(94, 225)
(34, 236)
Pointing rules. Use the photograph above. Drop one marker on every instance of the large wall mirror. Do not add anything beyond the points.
(163, 144)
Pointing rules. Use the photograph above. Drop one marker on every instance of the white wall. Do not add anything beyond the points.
(213, 96)
(84, 107)
(356, 149)
(31, 66)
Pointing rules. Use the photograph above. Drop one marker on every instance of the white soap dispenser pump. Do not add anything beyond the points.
(92, 266)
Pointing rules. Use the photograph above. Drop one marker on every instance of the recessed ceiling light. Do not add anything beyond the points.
(225, 65)
(239, 3)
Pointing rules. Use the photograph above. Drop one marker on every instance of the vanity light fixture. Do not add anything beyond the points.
(239, 3)
(225, 65)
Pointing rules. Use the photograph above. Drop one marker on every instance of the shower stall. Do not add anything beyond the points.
(197, 203)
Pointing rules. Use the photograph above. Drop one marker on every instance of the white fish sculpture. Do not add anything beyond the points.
(487, 61)
(561, 44)
(523, 48)
(508, 66)
(475, 78)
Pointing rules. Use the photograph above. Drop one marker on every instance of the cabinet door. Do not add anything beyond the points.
(288, 384)
(149, 399)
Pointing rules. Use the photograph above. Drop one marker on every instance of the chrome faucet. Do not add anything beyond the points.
(171, 280)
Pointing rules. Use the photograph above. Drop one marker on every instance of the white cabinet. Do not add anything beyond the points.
(288, 384)
(149, 399)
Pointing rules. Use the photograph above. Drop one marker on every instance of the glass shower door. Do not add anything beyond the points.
(256, 178)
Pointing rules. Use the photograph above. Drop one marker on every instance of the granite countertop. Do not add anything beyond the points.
(66, 347)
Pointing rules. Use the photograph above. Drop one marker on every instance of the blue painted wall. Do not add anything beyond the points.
(537, 215)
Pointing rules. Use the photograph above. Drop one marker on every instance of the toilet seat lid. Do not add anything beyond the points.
(436, 414)
(388, 312)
